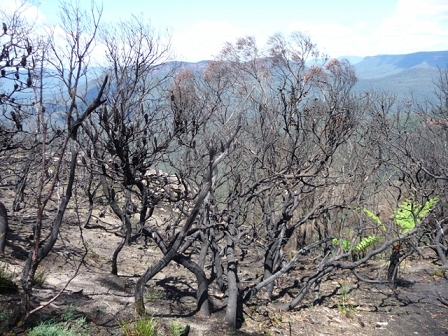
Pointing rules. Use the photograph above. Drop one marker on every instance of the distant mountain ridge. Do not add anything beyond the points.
(378, 66)
(413, 83)
(401, 75)
(385, 65)
(409, 76)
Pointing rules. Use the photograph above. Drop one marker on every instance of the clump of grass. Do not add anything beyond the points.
(50, 328)
(153, 294)
(76, 327)
(439, 272)
(5, 315)
(92, 253)
(6, 280)
(345, 289)
(39, 278)
(69, 314)
(345, 308)
(176, 328)
(141, 326)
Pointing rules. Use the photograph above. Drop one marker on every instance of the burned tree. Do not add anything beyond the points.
(69, 71)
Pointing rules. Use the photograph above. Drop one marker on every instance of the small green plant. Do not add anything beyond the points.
(50, 328)
(92, 253)
(153, 294)
(232, 332)
(69, 313)
(5, 315)
(176, 328)
(141, 326)
(405, 216)
(345, 308)
(276, 319)
(361, 246)
(345, 290)
(80, 323)
(350, 311)
(439, 272)
(39, 278)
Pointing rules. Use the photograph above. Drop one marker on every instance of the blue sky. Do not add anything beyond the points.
(339, 27)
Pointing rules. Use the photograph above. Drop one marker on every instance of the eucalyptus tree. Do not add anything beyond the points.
(131, 133)
(67, 54)
(202, 142)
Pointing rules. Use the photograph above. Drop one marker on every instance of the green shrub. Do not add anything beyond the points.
(406, 215)
(345, 308)
(439, 272)
(361, 246)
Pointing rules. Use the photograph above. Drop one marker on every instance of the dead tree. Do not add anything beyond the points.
(3, 227)
(70, 72)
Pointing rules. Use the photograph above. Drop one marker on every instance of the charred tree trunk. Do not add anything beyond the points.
(170, 254)
(204, 249)
(20, 188)
(41, 249)
(3, 228)
(441, 250)
(217, 269)
(232, 280)
(109, 193)
(305, 289)
(202, 291)
(393, 264)
(272, 258)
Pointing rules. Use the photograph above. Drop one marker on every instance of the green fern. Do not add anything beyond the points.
(410, 213)
(374, 217)
(365, 243)
(345, 244)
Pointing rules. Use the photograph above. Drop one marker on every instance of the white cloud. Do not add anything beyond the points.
(204, 40)
(416, 25)
(27, 11)
(422, 8)
(333, 39)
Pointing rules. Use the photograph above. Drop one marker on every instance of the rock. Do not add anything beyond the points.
(312, 320)
(381, 324)
(361, 323)
(336, 319)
